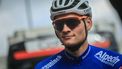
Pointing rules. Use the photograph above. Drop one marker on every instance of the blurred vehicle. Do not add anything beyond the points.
(24, 52)
(19, 58)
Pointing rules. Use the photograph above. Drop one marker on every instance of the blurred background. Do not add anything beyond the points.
(27, 36)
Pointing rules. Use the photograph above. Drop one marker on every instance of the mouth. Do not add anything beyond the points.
(67, 37)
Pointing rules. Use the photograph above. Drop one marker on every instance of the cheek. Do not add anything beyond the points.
(79, 29)
(80, 32)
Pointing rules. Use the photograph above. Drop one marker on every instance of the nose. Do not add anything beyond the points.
(66, 29)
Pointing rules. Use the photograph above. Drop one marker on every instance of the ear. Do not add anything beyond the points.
(88, 23)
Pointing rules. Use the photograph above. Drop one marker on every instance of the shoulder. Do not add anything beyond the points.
(49, 62)
(107, 57)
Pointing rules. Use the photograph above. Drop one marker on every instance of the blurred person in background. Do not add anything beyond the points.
(72, 19)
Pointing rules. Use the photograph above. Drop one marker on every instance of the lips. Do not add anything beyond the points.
(67, 37)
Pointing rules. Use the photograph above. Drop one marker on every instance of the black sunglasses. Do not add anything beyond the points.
(70, 22)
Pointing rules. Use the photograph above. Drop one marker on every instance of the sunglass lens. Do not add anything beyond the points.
(59, 26)
(71, 23)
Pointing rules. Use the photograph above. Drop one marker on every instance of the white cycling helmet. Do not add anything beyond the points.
(80, 7)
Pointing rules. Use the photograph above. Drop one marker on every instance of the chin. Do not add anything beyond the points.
(69, 44)
(72, 47)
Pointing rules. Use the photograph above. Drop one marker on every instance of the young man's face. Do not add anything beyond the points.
(70, 28)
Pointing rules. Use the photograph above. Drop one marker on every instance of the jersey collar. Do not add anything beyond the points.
(83, 56)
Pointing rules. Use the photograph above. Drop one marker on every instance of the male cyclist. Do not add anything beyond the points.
(72, 19)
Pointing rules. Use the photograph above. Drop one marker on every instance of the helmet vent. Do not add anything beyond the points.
(60, 2)
(67, 1)
(83, 6)
(55, 3)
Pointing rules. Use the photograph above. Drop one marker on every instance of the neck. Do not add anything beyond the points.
(80, 51)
